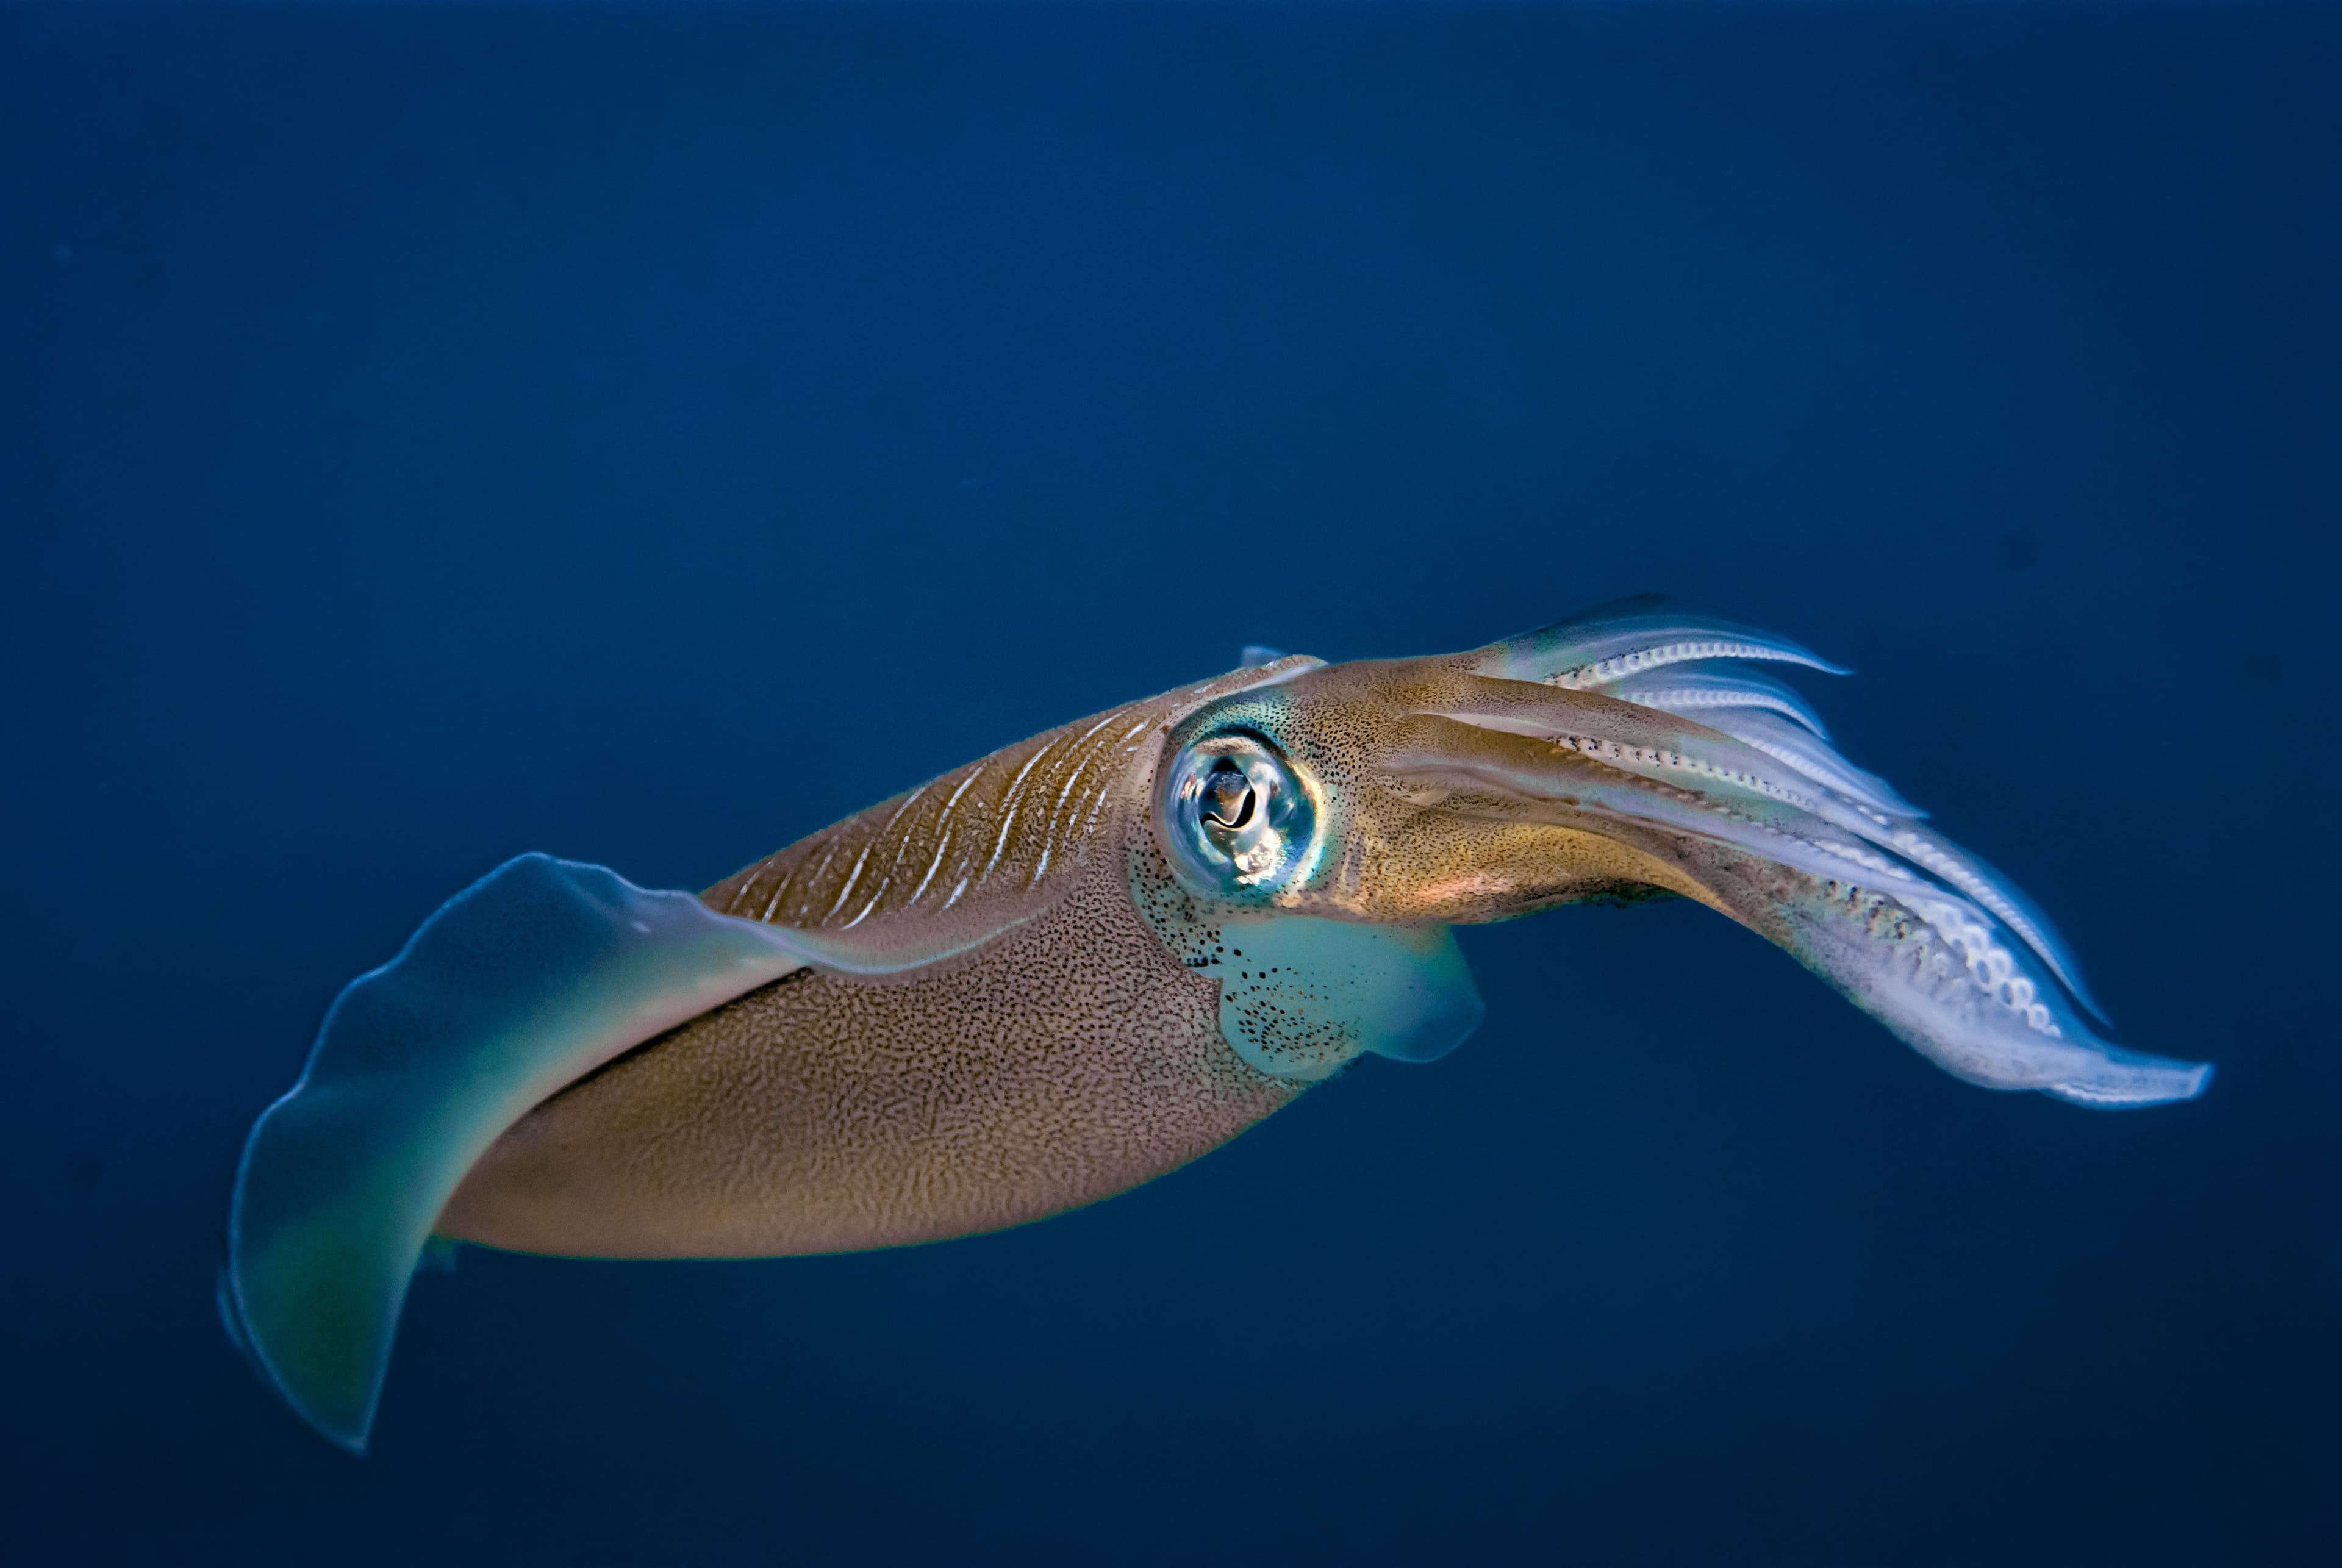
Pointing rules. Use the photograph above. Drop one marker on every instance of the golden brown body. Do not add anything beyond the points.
(1069, 1059)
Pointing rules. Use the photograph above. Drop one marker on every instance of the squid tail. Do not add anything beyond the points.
(521, 984)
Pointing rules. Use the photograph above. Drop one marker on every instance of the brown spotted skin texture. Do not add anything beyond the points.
(825, 1113)
(1070, 1057)
(957, 861)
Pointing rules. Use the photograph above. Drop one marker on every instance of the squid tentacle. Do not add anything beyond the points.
(1714, 761)
(1815, 758)
(1632, 637)
(1694, 693)
(1924, 960)
(1623, 651)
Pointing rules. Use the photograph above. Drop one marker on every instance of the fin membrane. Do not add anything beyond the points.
(521, 984)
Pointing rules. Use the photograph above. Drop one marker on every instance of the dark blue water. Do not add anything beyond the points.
(648, 434)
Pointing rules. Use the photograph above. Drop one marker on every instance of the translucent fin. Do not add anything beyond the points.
(1255, 654)
(1301, 996)
(532, 977)
(1695, 694)
(1629, 638)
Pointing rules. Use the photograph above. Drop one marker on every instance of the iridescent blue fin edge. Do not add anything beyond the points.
(525, 982)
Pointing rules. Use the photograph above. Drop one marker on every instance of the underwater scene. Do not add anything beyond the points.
(1129, 783)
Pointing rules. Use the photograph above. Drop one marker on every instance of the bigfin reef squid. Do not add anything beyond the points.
(1089, 958)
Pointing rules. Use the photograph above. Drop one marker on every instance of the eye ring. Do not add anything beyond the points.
(1239, 817)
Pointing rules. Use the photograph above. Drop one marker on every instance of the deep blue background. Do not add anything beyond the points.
(649, 433)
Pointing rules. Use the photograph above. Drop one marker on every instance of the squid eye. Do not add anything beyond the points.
(1238, 816)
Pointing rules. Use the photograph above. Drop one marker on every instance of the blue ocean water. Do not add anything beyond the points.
(648, 434)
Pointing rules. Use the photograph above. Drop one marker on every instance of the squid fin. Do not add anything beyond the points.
(521, 984)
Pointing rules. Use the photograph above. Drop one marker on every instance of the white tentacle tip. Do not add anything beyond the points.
(2130, 1080)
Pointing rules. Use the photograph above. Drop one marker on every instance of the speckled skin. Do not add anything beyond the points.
(1071, 1057)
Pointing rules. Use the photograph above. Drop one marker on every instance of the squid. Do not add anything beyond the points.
(1084, 960)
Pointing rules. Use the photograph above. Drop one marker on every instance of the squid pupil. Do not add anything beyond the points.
(1227, 798)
